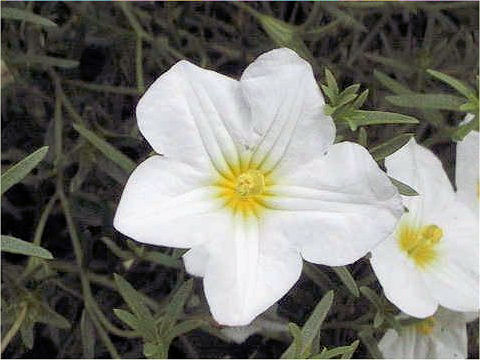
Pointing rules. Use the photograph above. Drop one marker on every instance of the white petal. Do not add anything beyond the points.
(453, 279)
(248, 272)
(337, 207)
(194, 115)
(287, 110)
(408, 345)
(418, 167)
(168, 203)
(466, 171)
(401, 281)
(450, 335)
(196, 260)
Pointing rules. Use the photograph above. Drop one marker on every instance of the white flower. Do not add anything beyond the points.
(442, 336)
(251, 182)
(432, 258)
(466, 172)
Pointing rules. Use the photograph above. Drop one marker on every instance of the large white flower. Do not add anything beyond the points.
(441, 336)
(251, 182)
(466, 172)
(432, 258)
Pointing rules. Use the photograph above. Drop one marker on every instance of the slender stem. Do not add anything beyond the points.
(312, 16)
(15, 327)
(37, 238)
(139, 64)
(101, 88)
(103, 335)
(75, 239)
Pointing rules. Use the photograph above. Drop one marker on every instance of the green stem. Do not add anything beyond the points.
(77, 247)
(139, 65)
(15, 327)
(37, 238)
(101, 88)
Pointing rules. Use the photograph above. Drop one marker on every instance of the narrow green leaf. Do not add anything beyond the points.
(403, 188)
(185, 327)
(21, 169)
(464, 129)
(362, 137)
(145, 321)
(353, 347)
(103, 88)
(295, 348)
(26, 333)
(427, 101)
(381, 151)
(24, 15)
(108, 150)
(471, 107)
(378, 319)
(360, 100)
(364, 117)
(391, 63)
(312, 327)
(344, 274)
(132, 298)
(346, 18)
(42, 61)
(331, 82)
(371, 344)
(128, 318)
(13, 245)
(330, 94)
(155, 351)
(352, 89)
(392, 322)
(317, 276)
(372, 297)
(345, 352)
(345, 99)
(175, 307)
(463, 89)
(162, 259)
(47, 315)
(391, 84)
(88, 336)
(285, 35)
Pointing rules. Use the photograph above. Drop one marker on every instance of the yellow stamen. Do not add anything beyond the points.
(246, 192)
(250, 183)
(419, 242)
(425, 327)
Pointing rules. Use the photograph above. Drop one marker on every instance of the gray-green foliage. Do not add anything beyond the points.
(303, 339)
(17, 172)
(157, 331)
(13, 245)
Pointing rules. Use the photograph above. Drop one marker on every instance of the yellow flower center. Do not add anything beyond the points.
(245, 192)
(250, 183)
(425, 327)
(419, 242)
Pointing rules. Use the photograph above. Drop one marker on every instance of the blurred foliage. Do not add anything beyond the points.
(72, 73)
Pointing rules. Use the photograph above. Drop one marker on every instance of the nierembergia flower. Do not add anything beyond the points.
(251, 181)
(466, 172)
(432, 258)
(441, 336)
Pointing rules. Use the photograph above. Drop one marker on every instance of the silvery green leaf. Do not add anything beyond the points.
(17, 246)
(344, 274)
(24, 15)
(21, 169)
